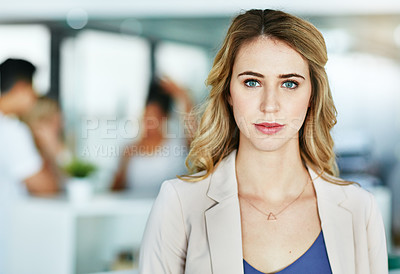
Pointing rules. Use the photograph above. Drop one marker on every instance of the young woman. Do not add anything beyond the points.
(265, 198)
(155, 150)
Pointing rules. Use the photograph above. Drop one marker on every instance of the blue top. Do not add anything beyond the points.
(313, 261)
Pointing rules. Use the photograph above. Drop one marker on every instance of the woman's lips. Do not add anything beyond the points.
(269, 128)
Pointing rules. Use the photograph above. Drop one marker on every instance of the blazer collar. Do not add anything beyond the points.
(223, 180)
(223, 221)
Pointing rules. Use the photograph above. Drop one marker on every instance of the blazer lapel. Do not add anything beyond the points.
(223, 220)
(337, 224)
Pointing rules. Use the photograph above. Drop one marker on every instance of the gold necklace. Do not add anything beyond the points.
(271, 216)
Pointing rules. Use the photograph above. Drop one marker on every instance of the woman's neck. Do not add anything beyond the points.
(270, 175)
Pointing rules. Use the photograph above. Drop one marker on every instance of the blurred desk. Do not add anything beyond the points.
(51, 235)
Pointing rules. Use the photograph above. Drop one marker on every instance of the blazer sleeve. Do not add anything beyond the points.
(377, 250)
(164, 243)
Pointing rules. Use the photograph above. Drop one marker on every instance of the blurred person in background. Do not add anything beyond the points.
(158, 154)
(19, 158)
(46, 123)
(22, 169)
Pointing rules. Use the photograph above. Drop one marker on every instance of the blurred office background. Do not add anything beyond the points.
(97, 58)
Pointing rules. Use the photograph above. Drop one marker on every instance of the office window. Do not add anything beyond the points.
(104, 82)
(30, 42)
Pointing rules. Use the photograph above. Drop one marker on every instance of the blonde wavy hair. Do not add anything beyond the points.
(217, 134)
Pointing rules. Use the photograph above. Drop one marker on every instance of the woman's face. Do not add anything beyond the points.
(270, 91)
(153, 119)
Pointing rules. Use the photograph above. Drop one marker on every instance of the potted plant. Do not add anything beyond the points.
(79, 186)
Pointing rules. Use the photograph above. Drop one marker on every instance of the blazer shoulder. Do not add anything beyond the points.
(358, 200)
(351, 191)
(357, 193)
(185, 187)
(191, 194)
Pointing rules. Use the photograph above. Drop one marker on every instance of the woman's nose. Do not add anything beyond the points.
(269, 100)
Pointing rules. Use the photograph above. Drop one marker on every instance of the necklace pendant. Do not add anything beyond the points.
(271, 217)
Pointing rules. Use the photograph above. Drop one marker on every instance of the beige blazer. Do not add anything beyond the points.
(195, 228)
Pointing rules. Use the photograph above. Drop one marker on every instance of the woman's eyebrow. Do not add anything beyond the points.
(252, 73)
(289, 75)
(283, 76)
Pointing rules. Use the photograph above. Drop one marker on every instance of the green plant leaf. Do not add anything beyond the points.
(79, 168)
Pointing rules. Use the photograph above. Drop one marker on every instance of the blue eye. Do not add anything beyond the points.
(252, 83)
(290, 85)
